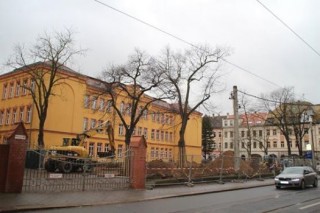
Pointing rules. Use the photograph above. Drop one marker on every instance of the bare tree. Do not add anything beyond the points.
(300, 121)
(42, 63)
(192, 71)
(278, 105)
(133, 82)
(253, 122)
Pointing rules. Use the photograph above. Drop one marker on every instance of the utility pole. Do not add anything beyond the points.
(234, 97)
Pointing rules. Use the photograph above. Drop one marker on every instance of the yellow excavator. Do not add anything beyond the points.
(72, 156)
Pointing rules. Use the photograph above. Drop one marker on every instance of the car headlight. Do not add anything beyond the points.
(295, 179)
(276, 178)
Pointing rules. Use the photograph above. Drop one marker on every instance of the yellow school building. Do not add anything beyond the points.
(73, 108)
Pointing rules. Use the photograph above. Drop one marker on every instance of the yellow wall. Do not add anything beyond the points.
(67, 112)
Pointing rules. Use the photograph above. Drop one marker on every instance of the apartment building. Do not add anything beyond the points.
(75, 107)
(259, 139)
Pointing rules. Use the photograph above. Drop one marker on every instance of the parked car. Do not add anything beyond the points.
(296, 176)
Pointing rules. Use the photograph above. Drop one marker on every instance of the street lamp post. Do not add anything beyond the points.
(310, 113)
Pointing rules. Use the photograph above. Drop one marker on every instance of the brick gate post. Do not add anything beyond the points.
(17, 142)
(138, 146)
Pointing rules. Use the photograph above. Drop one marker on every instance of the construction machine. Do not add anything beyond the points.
(72, 156)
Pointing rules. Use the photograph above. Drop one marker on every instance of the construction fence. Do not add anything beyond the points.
(220, 169)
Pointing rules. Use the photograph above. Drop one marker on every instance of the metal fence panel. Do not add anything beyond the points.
(106, 174)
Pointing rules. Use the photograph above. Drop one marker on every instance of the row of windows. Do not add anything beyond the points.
(126, 109)
(17, 88)
(161, 153)
(257, 133)
(94, 148)
(16, 114)
(158, 135)
(256, 145)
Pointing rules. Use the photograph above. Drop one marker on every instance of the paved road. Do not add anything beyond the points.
(263, 199)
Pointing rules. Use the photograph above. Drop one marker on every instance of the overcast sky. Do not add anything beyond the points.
(260, 43)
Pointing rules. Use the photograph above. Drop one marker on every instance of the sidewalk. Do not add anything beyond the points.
(32, 201)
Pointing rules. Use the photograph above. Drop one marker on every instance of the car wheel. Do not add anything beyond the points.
(315, 184)
(302, 185)
(278, 187)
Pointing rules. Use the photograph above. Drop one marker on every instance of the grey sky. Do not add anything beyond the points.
(260, 43)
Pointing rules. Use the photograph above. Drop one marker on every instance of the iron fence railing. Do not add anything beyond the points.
(86, 175)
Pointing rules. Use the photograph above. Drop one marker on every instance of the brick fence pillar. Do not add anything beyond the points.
(16, 155)
(138, 146)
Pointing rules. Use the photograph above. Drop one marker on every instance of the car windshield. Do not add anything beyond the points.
(293, 170)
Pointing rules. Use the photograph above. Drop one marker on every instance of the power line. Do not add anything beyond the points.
(182, 40)
(274, 101)
(287, 26)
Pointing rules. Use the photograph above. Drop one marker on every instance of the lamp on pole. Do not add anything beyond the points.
(311, 114)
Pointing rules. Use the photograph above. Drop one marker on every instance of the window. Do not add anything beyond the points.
(268, 132)
(274, 132)
(226, 145)
(152, 134)
(86, 101)
(145, 133)
(109, 106)
(166, 136)
(162, 135)
(275, 144)
(145, 114)
(225, 122)
(121, 129)
(122, 108)
(94, 103)
(14, 115)
(231, 145)
(32, 85)
(21, 117)
(162, 118)
(4, 92)
(1, 117)
(106, 147)
(85, 124)
(170, 136)
(24, 87)
(129, 109)
(157, 152)
(152, 152)
(282, 144)
(93, 123)
(11, 91)
(254, 133)
(101, 104)
(231, 122)
(260, 133)
(91, 148)
(226, 134)
(242, 134)
(153, 116)
(99, 147)
(120, 150)
(158, 135)
(219, 134)
(139, 130)
(29, 114)
(158, 117)
(268, 144)
(254, 145)
(8, 115)
(231, 134)
(18, 88)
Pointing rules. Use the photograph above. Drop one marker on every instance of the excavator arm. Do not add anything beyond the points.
(105, 126)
